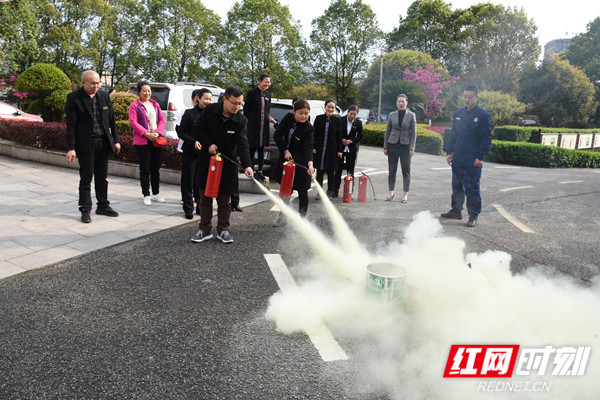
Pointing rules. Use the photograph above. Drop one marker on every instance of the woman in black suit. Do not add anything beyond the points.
(257, 107)
(352, 133)
(328, 146)
(295, 137)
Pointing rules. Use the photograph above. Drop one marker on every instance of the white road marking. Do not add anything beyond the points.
(507, 167)
(567, 182)
(320, 336)
(512, 219)
(440, 168)
(515, 188)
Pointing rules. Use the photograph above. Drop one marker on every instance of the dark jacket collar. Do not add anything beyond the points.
(217, 108)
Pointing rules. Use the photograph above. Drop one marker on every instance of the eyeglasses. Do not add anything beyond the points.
(233, 103)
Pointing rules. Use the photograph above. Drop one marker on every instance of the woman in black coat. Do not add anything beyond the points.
(295, 137)
(257, 107)
(328, 146)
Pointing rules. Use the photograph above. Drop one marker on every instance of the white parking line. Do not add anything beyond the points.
(319, 335)
(440, 168)
(567, 182)
(515, 188)
(507, 167)
(512, 219)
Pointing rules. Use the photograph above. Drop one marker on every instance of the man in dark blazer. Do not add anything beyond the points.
(352, 133)
(221, 129)
(91, 136)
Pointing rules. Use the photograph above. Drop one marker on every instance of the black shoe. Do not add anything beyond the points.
(318, 197)
(452, 214)
(334, 195)
(85, 216)
(107, 210)
(390, 198)
(189, 215)
(201, 237)
(472, 222)
(259, 176)
(236, 208)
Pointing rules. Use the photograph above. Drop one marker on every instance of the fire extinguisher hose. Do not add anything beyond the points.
(371, 182)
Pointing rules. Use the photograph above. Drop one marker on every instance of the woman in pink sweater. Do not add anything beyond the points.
(148, 123)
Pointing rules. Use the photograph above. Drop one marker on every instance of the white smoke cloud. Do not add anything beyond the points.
(450, 298)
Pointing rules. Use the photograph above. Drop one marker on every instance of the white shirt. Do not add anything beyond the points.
(151, 115)
(348, 129)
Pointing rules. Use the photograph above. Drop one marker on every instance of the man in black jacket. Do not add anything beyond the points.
(91, 136)
(221, 129)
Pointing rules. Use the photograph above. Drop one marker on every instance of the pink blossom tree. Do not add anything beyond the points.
(432, 85)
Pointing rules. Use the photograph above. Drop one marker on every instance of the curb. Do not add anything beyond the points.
(115, 168)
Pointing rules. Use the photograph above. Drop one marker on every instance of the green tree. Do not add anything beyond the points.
(503, 108)
(182, 37)
(261, 36)
(310, 91)
(414, 91)
(431, 27)
(583, 51)
(561, 94)
(19, 32)
(340, 42)
(496, 44)
(394, 65)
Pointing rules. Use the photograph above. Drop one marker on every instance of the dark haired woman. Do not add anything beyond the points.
(328, 146)
(191, 151)
(294, 137)
(399, 143)
(148, 123)
(257, 107)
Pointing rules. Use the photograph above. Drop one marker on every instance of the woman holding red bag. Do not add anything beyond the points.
(148, 124)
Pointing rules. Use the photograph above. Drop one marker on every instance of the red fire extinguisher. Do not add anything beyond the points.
(287, 179)
(348, 189)
(214, 176)
(362, 188)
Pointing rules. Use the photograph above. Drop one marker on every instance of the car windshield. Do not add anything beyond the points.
(159, 94)
(6, 109)
(363, 114)
(278, 111)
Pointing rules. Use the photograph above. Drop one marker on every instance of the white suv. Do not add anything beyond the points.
(175, 99)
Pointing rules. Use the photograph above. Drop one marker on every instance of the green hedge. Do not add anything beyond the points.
(537, 155)
(530, 134)
(427, 141)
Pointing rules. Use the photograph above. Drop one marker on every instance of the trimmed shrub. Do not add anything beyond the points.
(53, 136)
(124, 128)
(121, 102)
(55, 105)
(48, 87)
(513, 133)
(427, 141)
(538, 155)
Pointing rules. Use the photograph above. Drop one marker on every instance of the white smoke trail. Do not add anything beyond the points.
(450, 299)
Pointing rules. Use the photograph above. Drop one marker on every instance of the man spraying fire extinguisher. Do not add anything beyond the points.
(221, 130)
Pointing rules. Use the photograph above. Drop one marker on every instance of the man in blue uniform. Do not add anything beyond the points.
(469, 142)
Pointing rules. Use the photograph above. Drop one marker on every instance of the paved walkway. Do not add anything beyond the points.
(40, 221)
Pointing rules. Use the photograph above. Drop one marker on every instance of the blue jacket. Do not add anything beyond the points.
(471, 136)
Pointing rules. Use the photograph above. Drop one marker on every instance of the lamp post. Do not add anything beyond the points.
(380, 83)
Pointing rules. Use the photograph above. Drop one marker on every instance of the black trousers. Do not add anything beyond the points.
(330, 179)
(149, 157)
(94, 164)
(402, 152)
(260, 160)
(189, 189)
(349, 159)
(302, 202)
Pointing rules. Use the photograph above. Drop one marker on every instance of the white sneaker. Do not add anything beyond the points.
(147, 201)
(158, 198)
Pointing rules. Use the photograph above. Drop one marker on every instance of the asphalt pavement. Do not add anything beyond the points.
(151, 315)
